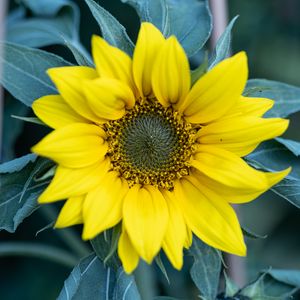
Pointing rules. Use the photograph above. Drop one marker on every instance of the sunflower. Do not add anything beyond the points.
(136, 143)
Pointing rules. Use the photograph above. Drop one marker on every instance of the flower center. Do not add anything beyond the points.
(150, 145)
(149, 142)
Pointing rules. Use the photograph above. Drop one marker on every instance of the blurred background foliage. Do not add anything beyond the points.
(269, 31)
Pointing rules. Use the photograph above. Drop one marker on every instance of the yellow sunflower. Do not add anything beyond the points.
(136, 143)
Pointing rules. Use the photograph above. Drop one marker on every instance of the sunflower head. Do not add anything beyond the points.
(137, 144)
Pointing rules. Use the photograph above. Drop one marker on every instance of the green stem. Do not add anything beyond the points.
(38, 250)
(145, 281)
(67, 235)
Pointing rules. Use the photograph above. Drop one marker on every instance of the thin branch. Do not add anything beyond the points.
(43, 251)
(67, 235)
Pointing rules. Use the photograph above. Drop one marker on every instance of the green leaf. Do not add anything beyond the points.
(268, 288)
(125, 287)
(88, 280)
(55, 22)
(289, 189)
(206, 269)
(24, 72)
(291, 145)
(162, 268)
(274, 156)
(116, 232)
(286, 97)
(105, 245)
(223, 45)
(38, 32)
(230, 287)
(91, 280)
(252, 235)
(47, 175)
(155, 12)
(32, 120)
(19, 191)
(17, 164)
(291, 277)
(200, 71)
(248, 91)
(50, 8)
(112, 31)
(80, 54)
(189, 20)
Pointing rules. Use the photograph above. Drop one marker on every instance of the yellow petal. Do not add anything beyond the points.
(68, 81)
(75, 146)
(112, 62)
(171, 78)
(249, 106)
(74, 182)
(242, 134)
(176, 233)
(55, 112)
(108, 97)
(240, 195)
(102, 207)
(148, 44)
(210, 217)
(145, 214)
(189, 238)
(216, 92)
(228, 169)
(127, 253)
(71, 213)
